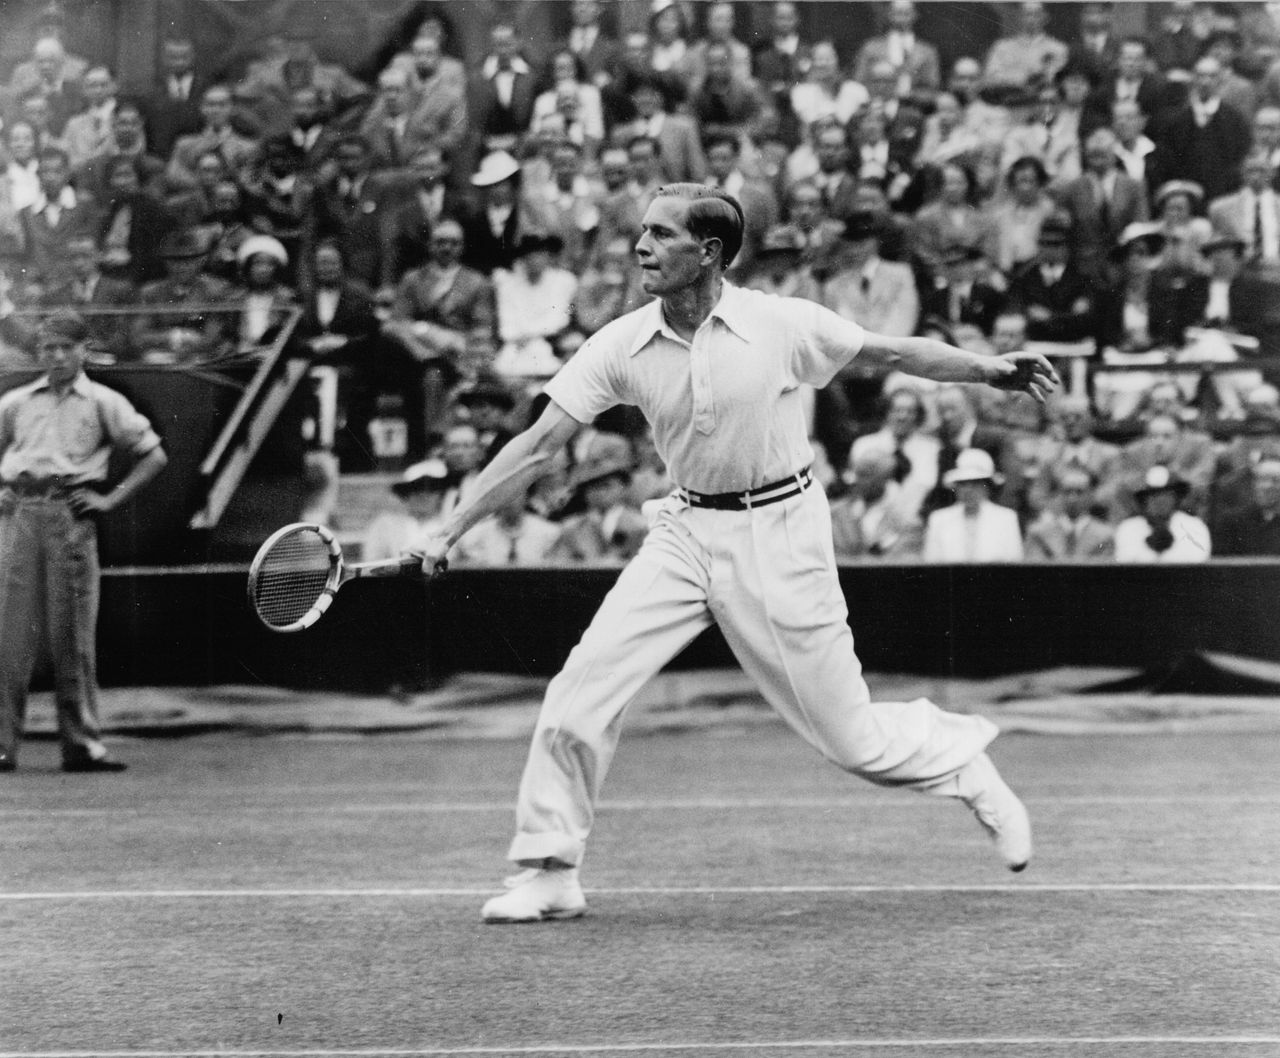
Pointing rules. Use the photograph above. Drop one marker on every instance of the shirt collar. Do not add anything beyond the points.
(518, 65)
(79, 386)
(66, 200)
(729, 310)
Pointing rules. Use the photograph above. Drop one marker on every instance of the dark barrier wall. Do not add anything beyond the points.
(194, 627)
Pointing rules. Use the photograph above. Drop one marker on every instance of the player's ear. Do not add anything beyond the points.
(711, 249)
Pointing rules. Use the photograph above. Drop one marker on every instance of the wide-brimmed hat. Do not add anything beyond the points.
(495, 167)
(972, 464)
(422, 477)
(1139, 231)
(1178, 187)
(1161, 479)
(599, 468)
(184, 243)
(263, 244)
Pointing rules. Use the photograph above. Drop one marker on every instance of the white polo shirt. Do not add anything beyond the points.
(726, 409)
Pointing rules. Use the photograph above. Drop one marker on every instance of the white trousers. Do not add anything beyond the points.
(768, 578)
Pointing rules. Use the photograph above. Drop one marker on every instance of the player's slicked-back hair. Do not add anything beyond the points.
(713, 214)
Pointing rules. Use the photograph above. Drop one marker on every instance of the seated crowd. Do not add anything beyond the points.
(442, 239)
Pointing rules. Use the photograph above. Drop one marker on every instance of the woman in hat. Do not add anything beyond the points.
(262, 263)
(1130, 321)
(973, 529)
(1176, 203)
(534, 302)
(610, 529)
(420, 493)
(1161, 532)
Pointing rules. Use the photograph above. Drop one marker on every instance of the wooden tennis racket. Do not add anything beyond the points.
(299, 569)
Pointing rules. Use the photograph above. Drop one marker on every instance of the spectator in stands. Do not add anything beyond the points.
(276, 196)
(449, 71)
(834, 177)
(1254, 529)
(610, 530)
(21, 173)
(1029, 55)
(1181, 36)
(512, 536)
(1252, 214)
(266, 300)
(1206, 139)
(720, 26)
(988, 121)
(173, 109)
(1133, 147)
(1266, 133)
(809, 224)
(951, 220)
(726, 103)
(1135, 313)
(534, 302)
(501, 216)
(621, 211)
(436, 309)
(438, 85)
(1018, 216)
(670, 53)
(463, 455)
(1096, 49)
(88, 133)
(1161, 532)
(877, 153)
(1130, 80)
(973, 529)
(598, 52)
(1255, 436)
(962, 295)
(127, 139)
(1045, 135)
(915, 61)
(1170, 443)
(488, 404)
(571, 106)
(1176, 203)
(216, 136)
(98, 298)
(226, 226)
(1056, 298)
(1239, 92)
(58, 214)
(51, 77)
(501, 97)
(570, 205)
(353, 207)
(33, 108)
(1070, 443)
(784, 60)
(756, 197)
(425, 202)
(679, 149)
(914, 451)
(945, 138)
(1067, 530)
(779, 266)
(1102, 202)
(294, 64)
(959, 428)
(877, 518)
(880, 294)
(309, 132)
(133, 222)
(393, 129)
(420, 492)
(186, 315)
(610, 288)
(826, 91)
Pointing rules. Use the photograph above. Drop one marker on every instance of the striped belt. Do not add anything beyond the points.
(745, 501)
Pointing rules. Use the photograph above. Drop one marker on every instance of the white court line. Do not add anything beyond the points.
(671, 805)
(408, 893)
(673, 1048)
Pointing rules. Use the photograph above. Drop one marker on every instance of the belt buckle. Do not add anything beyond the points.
(745, 500)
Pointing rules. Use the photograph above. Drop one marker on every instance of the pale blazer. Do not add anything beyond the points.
(890, 305)
(996, 536)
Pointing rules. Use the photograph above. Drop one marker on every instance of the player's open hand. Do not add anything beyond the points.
(1026, 373)
(89, 501)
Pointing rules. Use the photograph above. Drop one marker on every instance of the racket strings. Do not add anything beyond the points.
(292, 577)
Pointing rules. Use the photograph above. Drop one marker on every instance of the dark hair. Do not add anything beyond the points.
(1027, 161)
(657, 147)
(713, 214)
(47, 154)
(716, 139)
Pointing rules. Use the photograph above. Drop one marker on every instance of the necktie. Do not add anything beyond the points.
(513, 555)
(1104, 205)
(865, 285)
(901, 464)
(1257, 225)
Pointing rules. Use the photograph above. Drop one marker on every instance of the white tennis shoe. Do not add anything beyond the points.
(998, 809)
(538, 895)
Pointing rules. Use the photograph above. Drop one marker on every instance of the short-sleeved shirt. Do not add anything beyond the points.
(726, 409)
(71, 436)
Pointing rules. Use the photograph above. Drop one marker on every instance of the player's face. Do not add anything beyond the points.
(670, 255)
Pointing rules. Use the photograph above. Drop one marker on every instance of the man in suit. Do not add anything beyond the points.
(216, 136)
(1206, 139)
(610, 530)
(915, 61)
(173, 109)
(834, 179)
(1096, 50)
(1254, 529)
(393, 128)
(963, 297)
(1168, 442)
(354, 207)
(426, 199)
(726, 102)
(1068, 531)
(680, 154)
(499, 216)
(127, 138)
(879, 518)
(309, 132)
(570, 204)
(87, 290)
(88, 133)
(1101, 203)
(596, 50)
(437, 310)
(1131, 80)
(755, 197)
(439, 94)
(1252, 214)
(59, 214)
(783, 62)
(501, 97)
(1057, 299)
(1047, 135)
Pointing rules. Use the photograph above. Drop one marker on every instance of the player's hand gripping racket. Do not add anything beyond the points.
(299, 569)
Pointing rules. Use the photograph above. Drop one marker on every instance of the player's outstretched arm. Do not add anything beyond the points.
(928, 358)
(522, 461)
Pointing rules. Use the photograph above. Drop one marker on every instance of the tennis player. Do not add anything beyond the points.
(744, 541)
